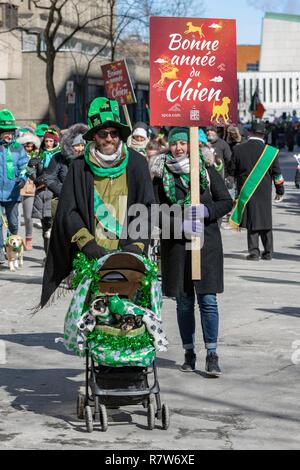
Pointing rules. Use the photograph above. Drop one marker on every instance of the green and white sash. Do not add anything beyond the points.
(253, 181)
(105, 218)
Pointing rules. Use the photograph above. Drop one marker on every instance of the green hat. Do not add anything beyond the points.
(103, 113)
(41, 129)
(178, 133)
(7, 120)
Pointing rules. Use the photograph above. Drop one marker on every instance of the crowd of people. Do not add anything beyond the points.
(70, 179)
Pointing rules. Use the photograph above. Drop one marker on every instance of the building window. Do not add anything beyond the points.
(271, 90)
(8, 16)
(284, 90)
(291, 90)
(277, 90)
(253, 67)
(244, 90)
(297, 89)
(251, 88)
(264, 89)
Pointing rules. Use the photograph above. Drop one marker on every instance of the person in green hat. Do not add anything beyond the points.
(41, 130)
(96, 213)
(13, 162)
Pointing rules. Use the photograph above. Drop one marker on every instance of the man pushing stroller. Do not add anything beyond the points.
(95, 207)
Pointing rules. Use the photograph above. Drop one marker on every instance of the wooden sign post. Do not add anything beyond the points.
(195, 199)
(127, 117)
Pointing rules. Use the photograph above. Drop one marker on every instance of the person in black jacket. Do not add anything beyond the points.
(109, 176)
(220, 146)
(257, 216)
(72, 146)
(172, 188)
(50, 147)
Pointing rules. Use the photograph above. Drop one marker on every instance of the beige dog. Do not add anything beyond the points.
(194, 29)
(221, 110)
(14, 249)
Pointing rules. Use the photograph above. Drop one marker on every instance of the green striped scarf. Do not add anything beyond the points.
(169, 182)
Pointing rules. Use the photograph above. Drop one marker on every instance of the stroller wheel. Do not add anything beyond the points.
(89, 419)
(165, 417)
(103, 418)
(80, 406)
(151, 417)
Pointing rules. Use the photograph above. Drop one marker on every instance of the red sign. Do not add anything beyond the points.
(193, 75)
(117, 82)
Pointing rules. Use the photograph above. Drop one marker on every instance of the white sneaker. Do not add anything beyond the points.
(38, 224)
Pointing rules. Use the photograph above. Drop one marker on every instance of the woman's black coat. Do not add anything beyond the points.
(56, 174)
(176, 260)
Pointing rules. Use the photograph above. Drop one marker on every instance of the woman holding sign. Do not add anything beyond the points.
(179, 221)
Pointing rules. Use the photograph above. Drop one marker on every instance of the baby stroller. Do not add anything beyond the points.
(118, 363)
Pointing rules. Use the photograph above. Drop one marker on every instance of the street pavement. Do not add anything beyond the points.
(254, 405)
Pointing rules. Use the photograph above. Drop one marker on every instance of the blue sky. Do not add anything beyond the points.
(249, 14)
(249, 19)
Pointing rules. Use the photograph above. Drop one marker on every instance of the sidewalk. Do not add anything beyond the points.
(253, 406)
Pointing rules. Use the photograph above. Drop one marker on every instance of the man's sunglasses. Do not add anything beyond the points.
(103, 134)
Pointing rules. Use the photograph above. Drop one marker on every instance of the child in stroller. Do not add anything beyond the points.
(114, 320)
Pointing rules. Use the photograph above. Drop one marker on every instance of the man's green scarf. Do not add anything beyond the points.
(10, 168)
(113, 172)
(169, 181)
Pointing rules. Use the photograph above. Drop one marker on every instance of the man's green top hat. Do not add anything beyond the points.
(41, 130)
(103, 113)
(7, 120)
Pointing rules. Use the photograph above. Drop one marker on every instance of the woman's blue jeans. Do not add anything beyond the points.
(209, 319)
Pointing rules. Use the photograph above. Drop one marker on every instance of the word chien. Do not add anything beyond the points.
(178, 90)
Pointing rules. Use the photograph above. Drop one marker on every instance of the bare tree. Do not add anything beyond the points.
(58, 33)
(176, 8)
(108, 22)
(66, 20)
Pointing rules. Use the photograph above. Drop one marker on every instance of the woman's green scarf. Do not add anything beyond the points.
(169, 181)
(113, 172)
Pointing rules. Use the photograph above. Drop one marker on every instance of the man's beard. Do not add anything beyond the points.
(105, 151)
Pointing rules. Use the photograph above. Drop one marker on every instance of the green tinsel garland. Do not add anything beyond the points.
(84, 267)
(144, 293)
(117, 343)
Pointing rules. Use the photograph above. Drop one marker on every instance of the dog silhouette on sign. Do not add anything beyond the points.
(194, 29)
(168, 71)
(221, 110)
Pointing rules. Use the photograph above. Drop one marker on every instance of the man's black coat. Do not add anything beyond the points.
(258, 212)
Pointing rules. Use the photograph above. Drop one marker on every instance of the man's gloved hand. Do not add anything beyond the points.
(134, 249)
(21, 183)
(92, 250)
(33, 162)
